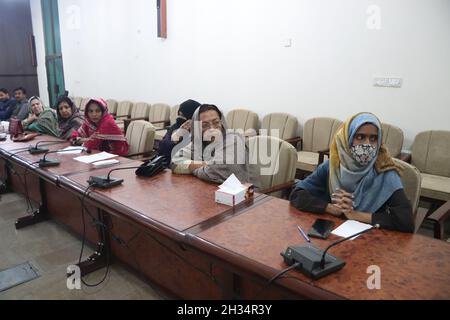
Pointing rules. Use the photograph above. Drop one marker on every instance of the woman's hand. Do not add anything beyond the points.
(31, 118)
(187, 125)
(343, 200)
(196, 165)
(79, 141)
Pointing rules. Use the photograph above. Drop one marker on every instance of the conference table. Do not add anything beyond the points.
(171, 232)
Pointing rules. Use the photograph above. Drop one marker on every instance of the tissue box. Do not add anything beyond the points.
(230, 198)
(232, 191)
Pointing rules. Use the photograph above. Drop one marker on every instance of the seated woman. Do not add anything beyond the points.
(99, 131)
(42, 120)
(69, 118)
(185, 113)
(211, 153)
(360, 181)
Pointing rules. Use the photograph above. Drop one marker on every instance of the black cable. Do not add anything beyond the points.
(85, 194)
(25, 184)
(276, 277)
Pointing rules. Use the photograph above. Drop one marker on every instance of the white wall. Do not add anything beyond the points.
(231, 53)
(38, 30)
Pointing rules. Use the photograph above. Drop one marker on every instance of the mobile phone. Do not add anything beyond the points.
(321, 228)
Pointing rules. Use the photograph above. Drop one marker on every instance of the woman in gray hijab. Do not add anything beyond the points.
(210, 151)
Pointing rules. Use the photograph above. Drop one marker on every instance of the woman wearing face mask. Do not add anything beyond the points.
(360, 181)
(210, 152)
(42, 120)
(170, 140)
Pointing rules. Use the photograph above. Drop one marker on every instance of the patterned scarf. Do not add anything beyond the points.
(372, 185)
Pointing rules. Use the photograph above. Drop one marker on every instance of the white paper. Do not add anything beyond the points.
(95, 157)
(72, 150)
(350, 227)
(105, 163)
(232, 185)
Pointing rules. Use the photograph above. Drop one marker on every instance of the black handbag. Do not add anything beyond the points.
(152, 167)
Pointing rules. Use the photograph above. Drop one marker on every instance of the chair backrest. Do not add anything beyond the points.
(159, 112)
(140, 136)
(318, 133)
(276, 160)
(112, 106)
(77, 102)
(246, 120)
(430, 152)
(124, 109)
(140, 110)
(411, 180)
(83, 103)
(392, 138)
(174, 114)
(286, 124)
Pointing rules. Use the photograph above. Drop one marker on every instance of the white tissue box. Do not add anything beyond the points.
(230, 198)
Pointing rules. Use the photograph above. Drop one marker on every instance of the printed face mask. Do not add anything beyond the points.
(364, 153)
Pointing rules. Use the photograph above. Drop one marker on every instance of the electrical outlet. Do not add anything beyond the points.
(387, 82)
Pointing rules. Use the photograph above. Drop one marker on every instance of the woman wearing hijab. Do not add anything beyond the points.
(42, 120)
(211, 153)
(185, 113)
(99, 131)
(69, 118)
(360, 181)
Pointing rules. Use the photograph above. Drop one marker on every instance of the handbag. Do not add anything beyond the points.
(152, 167)
(15, 127)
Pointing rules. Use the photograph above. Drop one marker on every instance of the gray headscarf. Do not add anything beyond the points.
(226, 155)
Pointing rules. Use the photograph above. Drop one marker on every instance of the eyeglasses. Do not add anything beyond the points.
(213, 124)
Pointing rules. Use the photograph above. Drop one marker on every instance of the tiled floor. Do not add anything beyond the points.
(51, 249)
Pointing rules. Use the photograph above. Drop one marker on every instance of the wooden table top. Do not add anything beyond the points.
(178, 201)
(412, 266)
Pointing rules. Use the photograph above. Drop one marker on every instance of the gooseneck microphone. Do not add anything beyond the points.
(105, 182)
(44, 162)
(315, 262)
(322, 261)
(37, 150)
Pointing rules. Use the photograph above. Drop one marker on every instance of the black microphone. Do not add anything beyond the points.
(315, 262)
(105, 182)
(37, 150)
(44, 162)
(148, 169)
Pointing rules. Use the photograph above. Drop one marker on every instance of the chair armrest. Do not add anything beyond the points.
(322, 155)
(439, 216)
(405, 157)
(126, 122)
(165, 122)
(294, 141)
(123, 118)
(149, 154)
(287, 187)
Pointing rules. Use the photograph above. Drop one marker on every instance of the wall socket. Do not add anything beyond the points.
(387, 82)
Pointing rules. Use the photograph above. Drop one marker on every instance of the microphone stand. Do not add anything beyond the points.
(37, 150)
(44, 162)
(105, 182)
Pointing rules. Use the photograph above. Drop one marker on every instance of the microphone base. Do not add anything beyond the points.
(34, 150)
(48, 163)
(103, 182)
(309, 258)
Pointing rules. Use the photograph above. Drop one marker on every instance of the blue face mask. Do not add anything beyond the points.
(364, 153)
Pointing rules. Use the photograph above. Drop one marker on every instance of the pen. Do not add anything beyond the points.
(303, 234)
